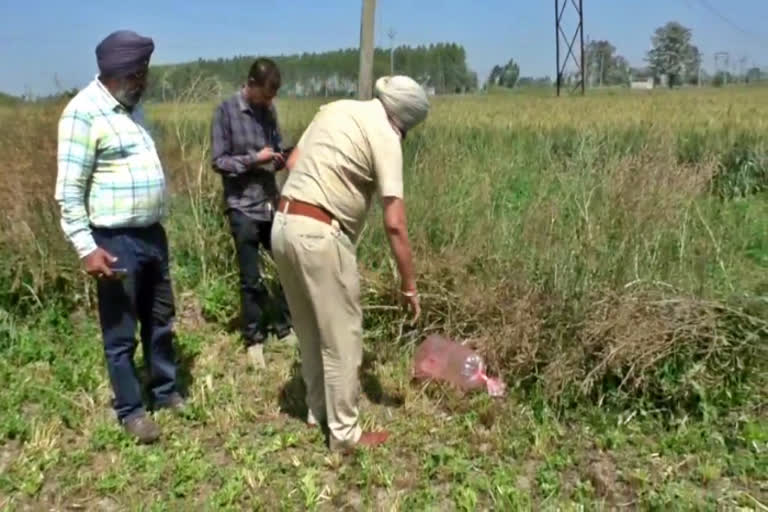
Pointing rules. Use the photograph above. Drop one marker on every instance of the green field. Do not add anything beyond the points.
(608, 255)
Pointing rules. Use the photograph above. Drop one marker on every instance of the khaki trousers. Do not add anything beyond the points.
(317, 267)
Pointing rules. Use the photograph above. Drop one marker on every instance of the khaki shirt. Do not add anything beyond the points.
(347, 153)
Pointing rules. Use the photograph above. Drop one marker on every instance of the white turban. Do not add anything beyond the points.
(404, 100)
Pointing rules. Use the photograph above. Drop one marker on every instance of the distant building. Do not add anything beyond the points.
(645, 84)
(641, 79)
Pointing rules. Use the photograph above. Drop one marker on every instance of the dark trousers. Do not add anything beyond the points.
(145, 296)
(259, 312)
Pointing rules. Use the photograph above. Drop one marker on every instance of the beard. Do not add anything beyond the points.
(128, 96)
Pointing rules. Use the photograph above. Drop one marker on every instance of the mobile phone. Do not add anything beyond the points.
(285, 153)
(119, 273)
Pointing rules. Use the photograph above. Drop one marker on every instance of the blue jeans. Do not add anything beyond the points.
(145, 296)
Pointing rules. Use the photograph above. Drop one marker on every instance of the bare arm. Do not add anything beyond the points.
(292, 158)
(396, 227)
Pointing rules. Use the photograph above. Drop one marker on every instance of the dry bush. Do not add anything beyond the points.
(637, 338)
(570, 259)
(672, 349)
(578, 311)
(36, 253)
(28, 167)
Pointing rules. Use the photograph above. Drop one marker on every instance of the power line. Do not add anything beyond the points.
(735, 26)
(391, 34)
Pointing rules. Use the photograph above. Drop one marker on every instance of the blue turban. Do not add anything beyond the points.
(123, 52)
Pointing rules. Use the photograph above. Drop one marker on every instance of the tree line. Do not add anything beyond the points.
(8, 100)
(673, 60)
(442, 67)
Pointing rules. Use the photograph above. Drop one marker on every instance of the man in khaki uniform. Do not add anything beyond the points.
(350, 151)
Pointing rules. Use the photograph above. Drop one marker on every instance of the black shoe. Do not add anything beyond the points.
(288, 337)
(142, 428)
(174, 402)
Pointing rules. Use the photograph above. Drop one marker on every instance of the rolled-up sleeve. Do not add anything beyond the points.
(76, 155)
(387, 163)
(224, 161)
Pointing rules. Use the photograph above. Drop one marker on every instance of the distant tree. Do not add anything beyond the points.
(691, 65)
(640, 74)
(472, 82)
(754, 75)
(604, 66)
(619, 72)
(495, 76)
(722, 78)
(673, 54)
(598, 57)
(7, 99)
(529, 81)
(511, 74)
(334, 73)
(706, 78)
(505, 76)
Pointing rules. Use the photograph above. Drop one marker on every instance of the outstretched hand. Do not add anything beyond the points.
(410, 300)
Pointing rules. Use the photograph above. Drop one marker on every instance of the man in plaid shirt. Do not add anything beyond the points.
(111, 190)
(246, 152)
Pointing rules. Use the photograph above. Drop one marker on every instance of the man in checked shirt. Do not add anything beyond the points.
(246, 152)
(111, 190)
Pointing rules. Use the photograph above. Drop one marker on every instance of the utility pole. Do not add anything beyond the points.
(602, 57)
(570, 42)
(558, 76)
(590, 64)
(391, 34)
(581, 36)
(698, 74)
(722, 60)
(743, 67)
(365, 75)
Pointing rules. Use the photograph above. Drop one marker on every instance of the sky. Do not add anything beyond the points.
(48, 45)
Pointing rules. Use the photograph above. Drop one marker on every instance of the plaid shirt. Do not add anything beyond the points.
(109, 173)
(238, 133)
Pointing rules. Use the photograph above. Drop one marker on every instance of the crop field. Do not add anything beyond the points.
(607, 255)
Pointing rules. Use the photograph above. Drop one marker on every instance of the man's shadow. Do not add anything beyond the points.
(293, 393)
(371, 385)
(234, 324)
(186, 364)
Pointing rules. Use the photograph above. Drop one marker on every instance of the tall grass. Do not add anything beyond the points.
(607, 247)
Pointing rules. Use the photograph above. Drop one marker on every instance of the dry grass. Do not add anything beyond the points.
(29, 163)
(576, 243)
(523, 229)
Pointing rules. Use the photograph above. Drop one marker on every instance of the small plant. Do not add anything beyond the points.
(743, 170)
